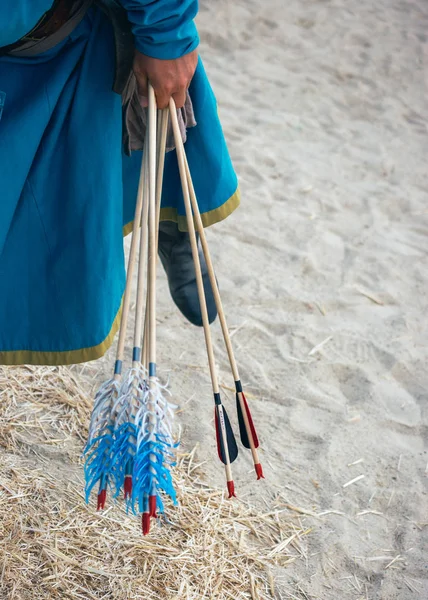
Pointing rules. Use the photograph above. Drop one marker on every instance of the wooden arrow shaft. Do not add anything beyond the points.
(211, 272)
(194, 245)
(198, 272)
(219, 305)
(131, 266)
(162, 121)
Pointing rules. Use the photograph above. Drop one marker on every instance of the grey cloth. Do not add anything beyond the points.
(135, 119)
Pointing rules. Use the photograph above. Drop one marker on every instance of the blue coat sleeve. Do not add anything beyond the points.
(163, 28)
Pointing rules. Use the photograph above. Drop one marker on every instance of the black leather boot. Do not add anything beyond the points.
(175, 253)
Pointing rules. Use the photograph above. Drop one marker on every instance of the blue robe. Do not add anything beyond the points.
(67, 191)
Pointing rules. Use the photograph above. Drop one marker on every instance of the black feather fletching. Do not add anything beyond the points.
(242, 429)
(230, 438)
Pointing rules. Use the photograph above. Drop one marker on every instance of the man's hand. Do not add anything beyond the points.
(169, 78)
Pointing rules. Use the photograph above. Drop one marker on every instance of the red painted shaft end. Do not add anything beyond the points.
(152, 506)
(259, 471)
(127, 486)
(146, 523)
(102, 496)
(231, 489)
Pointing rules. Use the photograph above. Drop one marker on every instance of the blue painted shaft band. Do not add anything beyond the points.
(238, 386)
(103, 482)
(152, 369)
(217, 399)
(128, 468)
(118, 367)
(136, 353)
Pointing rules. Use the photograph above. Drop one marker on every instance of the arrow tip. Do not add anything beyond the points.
(146, 523)
(259, 471)
(101, 499)
(231, 489)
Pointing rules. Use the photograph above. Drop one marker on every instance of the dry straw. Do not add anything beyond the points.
(52, 545)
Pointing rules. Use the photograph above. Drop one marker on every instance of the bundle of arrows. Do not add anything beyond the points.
(131, 446)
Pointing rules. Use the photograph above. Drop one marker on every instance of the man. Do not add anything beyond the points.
(67, 189)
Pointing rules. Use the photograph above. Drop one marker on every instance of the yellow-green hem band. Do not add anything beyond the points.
(208, 218)
(68, 357)
(71, 357)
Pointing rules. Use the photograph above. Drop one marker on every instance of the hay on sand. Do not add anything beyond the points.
(52, 545)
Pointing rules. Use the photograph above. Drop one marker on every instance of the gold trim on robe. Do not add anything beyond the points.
(71, 357)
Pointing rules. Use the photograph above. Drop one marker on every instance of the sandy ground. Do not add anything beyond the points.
(323, 272)
(324, 277)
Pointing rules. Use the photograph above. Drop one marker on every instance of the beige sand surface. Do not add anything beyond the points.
(325, 107)
(324, 276)
(323, 273)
